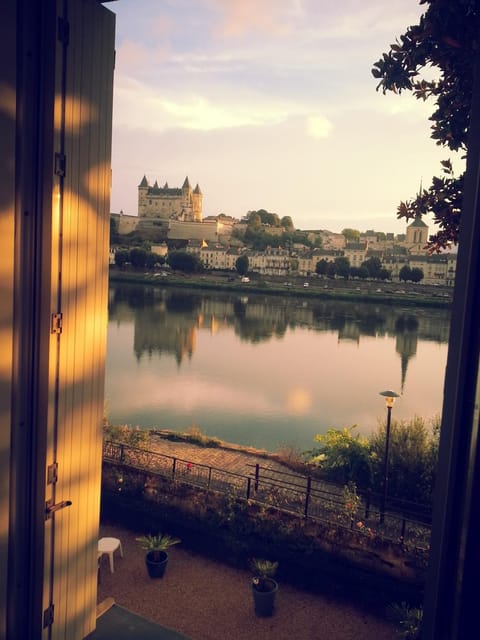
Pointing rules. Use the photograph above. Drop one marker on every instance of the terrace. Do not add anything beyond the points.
(207, 600)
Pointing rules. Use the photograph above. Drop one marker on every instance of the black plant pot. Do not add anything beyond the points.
(156, 567)
(264, 597)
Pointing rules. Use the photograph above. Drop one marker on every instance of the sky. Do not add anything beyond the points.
(269, 104)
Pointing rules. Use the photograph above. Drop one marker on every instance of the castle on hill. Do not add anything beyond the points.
(165, 203)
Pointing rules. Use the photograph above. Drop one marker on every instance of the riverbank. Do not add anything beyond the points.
(405, 294)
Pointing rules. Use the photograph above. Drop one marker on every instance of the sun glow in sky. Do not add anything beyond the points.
(269, 104)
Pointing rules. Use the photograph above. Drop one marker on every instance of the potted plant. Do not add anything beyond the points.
(157, 557)
(264, 587)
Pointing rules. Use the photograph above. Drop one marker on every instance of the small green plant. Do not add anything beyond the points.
(407, 618)
(125, 434)
(156, 544)
(262, 570)
(351, 500)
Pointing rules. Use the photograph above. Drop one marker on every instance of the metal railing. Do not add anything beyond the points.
(301, 495)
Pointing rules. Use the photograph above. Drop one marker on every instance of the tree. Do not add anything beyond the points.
(114, 235)
(121, 257)
(412, 459)
(184, 261)
(321, 267)
(359, 272)
(416, 274)
(373, 266)
(343, 457)
(287, 223)
(384, 274)
(242, 264)
(342, 265)
(405, 273)
(138, 258)
(351, 235)
(152, 260)
(446, 39)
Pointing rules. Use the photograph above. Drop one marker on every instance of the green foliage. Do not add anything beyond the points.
(121, 257)
(414, 274)
(263, 568)
(342, 267)
(287, 223)
(242, 264)
(351, 235)
(408, 619)
(184, 261)
(351, 500)
(133, 436)
(321, 267)
(138, 258)
(155, 544)
(265, 217)
(263, 572)
(343, 457)
(413, 453)
(445, 40)
(373, 266)
(114, 235)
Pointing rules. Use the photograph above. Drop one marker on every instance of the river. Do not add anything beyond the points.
(268, 371)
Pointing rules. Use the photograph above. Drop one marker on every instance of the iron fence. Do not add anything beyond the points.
(300, 495)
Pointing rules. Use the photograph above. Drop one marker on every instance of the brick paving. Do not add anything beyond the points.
(233, 460)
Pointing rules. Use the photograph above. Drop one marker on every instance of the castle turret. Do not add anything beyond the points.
(143, 188)
(197, 204)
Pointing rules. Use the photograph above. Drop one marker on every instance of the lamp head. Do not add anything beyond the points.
(389, 397)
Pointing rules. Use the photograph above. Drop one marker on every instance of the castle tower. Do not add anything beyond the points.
(197, 198)
(187, 201)
(143, 188)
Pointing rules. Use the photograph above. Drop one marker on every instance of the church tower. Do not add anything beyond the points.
(417, 235)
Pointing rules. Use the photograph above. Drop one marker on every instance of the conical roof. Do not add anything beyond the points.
(144, 182)
(197, 190)
(186, 184)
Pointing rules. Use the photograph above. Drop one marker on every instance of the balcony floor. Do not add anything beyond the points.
(207, 600)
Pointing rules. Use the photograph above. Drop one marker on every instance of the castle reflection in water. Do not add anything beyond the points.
(167, 320)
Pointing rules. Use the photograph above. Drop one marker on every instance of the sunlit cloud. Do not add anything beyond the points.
(139, 106)
(240, 18)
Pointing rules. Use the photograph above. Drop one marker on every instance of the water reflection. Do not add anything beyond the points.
(271, 395)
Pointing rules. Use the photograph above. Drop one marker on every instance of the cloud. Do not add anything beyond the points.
(140, 106)
(238, 19)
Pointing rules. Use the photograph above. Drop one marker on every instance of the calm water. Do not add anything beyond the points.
(267, 371)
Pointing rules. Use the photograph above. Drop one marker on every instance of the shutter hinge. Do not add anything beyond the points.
(60, 164)
(57, 323)
(48, 617)
(52, 473)
(63, 31)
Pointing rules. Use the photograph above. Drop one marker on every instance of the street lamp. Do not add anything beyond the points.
(389, 401)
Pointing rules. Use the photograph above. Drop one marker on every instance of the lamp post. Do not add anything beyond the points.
(389, 401)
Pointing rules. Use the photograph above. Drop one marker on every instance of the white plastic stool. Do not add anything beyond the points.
(108, 546)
